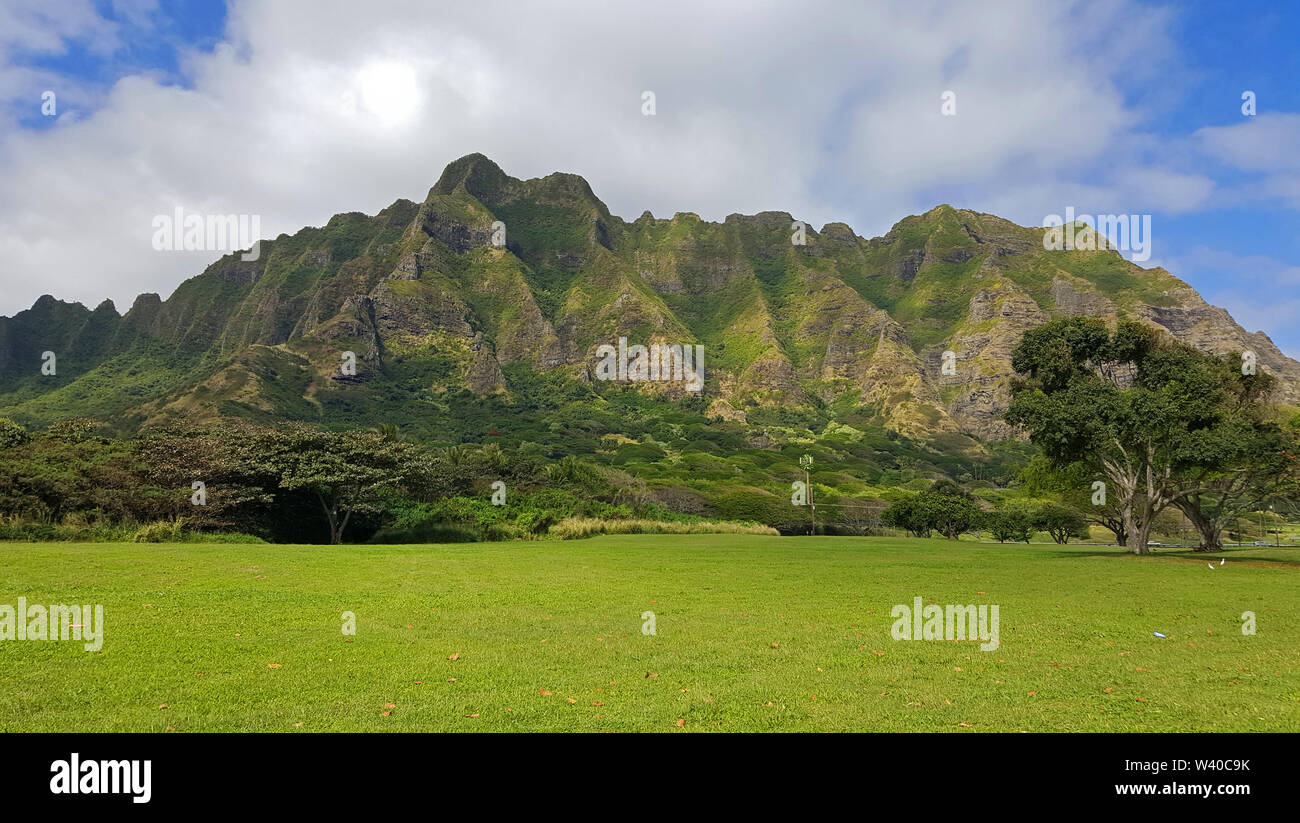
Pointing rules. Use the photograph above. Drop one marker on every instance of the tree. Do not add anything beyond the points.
(346, 472)
(1060, 522)
(1009, 523)
(389, 431)
(1130, 406)
(49, 478)
(1071, 483)
(945, 508)
(950, 509)
(907, 513)
(239, 488)
(12, 434)
(1245, 460)
(74, 429)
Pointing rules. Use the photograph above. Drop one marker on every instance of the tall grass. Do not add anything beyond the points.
(75, 529)
(577, 528)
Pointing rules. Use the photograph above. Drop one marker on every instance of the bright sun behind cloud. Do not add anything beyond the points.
(389, 92)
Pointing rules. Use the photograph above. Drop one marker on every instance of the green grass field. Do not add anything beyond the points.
(753, 634)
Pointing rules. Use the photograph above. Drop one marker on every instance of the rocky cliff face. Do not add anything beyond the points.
(490, 274)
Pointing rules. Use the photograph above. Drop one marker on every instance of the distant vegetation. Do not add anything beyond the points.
(298, 483)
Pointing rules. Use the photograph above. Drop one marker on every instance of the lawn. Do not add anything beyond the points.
(752, 634)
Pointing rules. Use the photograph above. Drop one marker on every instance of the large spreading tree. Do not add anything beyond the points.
(346, 472)
(1161, 422)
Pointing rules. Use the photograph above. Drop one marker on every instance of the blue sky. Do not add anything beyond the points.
(125, 39)
(297, 110)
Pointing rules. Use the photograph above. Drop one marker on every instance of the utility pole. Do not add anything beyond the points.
(806, 461)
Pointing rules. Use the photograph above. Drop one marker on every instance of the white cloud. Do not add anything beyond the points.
(1264, 147)
(1265, 142)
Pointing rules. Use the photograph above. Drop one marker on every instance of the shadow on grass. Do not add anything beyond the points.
(1280, 556)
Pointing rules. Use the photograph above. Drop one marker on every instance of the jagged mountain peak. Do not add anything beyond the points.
(475, 174)
(432, 299)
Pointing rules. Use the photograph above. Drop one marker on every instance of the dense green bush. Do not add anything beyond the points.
(1009, 523)
(945, 508)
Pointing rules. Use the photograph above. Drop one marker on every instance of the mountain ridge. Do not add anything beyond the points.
(843, 328)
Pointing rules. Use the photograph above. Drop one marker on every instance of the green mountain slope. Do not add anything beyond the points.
(455, 335)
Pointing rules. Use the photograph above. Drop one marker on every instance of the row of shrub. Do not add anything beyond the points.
(80, 531)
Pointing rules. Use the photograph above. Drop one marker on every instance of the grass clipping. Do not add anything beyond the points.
(576, 528)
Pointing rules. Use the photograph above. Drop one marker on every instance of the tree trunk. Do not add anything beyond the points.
(338, 537)
(1137, 539)
(1136, 529)
(332, 515)
(1210, 528)
(1116, 527)
(1125, 480)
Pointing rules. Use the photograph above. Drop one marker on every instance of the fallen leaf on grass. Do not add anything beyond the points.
(965, 725)
(597, 703)
(1108, 690)
(1033, 694)
(273, 665)
(681, 722)
(475, 714)
(390, 706)
(544, 692)
(774, 645)
(162, 705)
(1140, 699)
(384, 714)
(571, 700)
(651, 674)
(455, 656)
